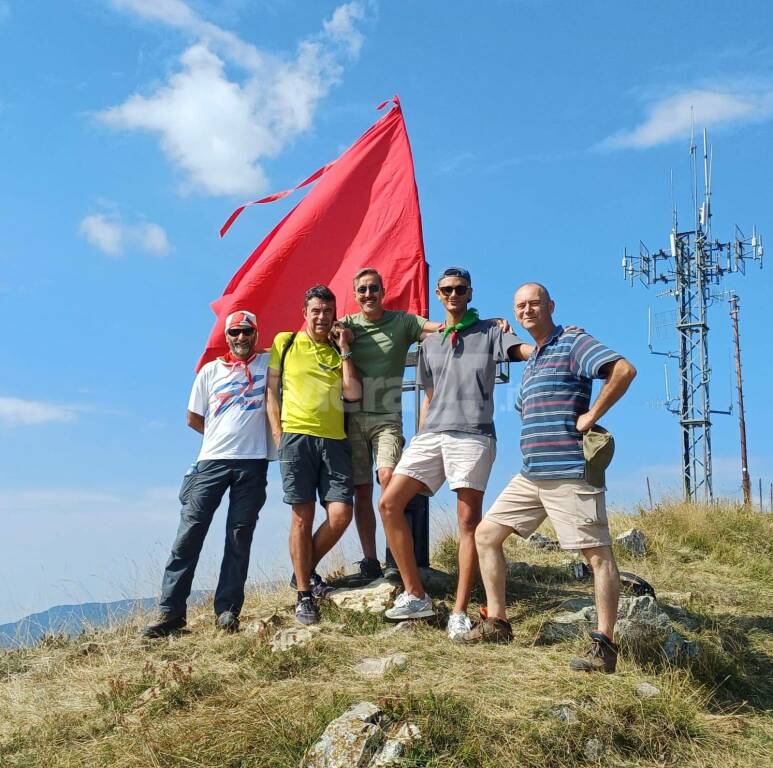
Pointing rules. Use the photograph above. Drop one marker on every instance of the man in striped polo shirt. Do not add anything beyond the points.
(555, 407)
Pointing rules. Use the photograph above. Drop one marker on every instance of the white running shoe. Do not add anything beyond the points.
(458, 624)
(408, 606)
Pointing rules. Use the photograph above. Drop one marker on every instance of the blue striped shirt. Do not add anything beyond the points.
(555, 390)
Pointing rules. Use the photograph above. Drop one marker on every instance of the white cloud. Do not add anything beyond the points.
(670, 118)
(108, 233)
(102, 233)
(16, 412)
(218, 129)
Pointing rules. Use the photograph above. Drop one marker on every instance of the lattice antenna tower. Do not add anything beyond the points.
(690, 272)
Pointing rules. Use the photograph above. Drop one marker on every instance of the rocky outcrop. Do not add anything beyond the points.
(375, 597)
(378, 667)
(642, 626)
(361, 738)
(634, 541)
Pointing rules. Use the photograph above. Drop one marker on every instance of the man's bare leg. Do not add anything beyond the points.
(606, 583)
(469, 508)
(301, 544)
(339, 515)
(398, 534)
(489, 538)
(365, 519)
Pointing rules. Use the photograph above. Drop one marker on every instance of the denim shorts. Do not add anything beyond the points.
(315, 466)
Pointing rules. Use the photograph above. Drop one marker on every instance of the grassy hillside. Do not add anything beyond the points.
(205, 699)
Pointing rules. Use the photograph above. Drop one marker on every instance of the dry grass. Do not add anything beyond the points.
(204, 699)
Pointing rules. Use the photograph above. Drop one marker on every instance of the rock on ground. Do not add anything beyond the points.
(634, 541)
(642, 624)
(348, 741)
(522, 571)
(437, 582)
(371, 598)
(358, 739)
(378, 667)
(396, 746)
(540, 541)
(287, 638)
(647, 691)
(594, 750)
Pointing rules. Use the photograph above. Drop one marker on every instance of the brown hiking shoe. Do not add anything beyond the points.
(487, 631)
(600, 657)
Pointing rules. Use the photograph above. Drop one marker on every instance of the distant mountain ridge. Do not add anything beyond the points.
(71, 620)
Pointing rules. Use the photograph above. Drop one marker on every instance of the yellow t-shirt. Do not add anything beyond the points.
(312, 386)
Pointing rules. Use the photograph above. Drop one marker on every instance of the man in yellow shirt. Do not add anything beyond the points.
(307, 422)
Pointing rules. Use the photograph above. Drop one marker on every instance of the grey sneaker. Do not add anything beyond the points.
(319, 587)
(408, 606)
(228, 621)
(306, 611)
(458, 624)
(392, 574)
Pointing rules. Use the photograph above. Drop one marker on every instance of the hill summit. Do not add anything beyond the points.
(694, 685)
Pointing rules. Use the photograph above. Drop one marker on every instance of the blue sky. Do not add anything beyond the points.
(543, 135)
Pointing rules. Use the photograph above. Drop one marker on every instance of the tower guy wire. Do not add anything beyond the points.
(690, 272)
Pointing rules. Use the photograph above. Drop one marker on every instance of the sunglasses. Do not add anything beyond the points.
(363, 289)
(234, 332)
(459, 290)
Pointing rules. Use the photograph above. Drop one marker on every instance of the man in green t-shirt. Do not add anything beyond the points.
(380, 341)
(307, 423)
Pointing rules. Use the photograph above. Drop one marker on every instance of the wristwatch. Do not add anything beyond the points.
(345, 355)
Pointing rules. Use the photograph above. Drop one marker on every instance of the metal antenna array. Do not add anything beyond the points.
(690, 271)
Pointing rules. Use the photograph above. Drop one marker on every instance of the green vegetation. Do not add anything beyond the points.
(207, 699)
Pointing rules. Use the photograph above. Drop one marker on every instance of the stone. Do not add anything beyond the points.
(401, 628)
(634, 541)
(594, 750)
(566, 713)
(349, 741)
(437, 582)
(378, 667)
(540, 541)
(296, 636)
(645, 624)
(371, 598)
(522, 571)
(396, 746)
(647, 691)
(262, 626)
(641, 624)
(577, 603)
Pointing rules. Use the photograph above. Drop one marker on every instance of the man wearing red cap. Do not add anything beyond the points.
(228, 407)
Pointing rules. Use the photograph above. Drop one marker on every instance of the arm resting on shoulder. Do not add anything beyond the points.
(618, 374)
(520, 352)
(429, 327)
(196, 421)
(272, 405)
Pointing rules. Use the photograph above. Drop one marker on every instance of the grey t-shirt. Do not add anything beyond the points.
(462, 378)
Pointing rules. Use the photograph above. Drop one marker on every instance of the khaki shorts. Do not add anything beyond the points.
(577, 510)
(464, 459)
(372, 436)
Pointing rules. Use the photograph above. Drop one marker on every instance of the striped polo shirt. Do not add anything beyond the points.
(555, 390)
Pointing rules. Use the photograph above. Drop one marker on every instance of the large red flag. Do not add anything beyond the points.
(363, 212)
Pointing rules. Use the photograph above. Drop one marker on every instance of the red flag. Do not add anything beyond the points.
(363, 212)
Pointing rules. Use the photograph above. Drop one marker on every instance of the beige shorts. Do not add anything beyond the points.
(374, 436)
(577, 510)
(465, 460)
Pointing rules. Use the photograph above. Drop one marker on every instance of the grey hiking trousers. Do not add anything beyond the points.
(200, 496)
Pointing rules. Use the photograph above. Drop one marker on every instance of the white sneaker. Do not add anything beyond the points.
(458, 624)
(408, 606)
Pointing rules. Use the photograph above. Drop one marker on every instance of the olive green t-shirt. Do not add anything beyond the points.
(379, 352)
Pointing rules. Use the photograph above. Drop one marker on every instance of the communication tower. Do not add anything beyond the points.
(690, 271)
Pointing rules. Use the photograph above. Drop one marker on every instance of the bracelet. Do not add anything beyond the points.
(345, 355)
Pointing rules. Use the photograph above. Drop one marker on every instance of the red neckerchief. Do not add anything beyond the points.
(229, 360)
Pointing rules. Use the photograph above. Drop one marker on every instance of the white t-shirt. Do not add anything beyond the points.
(235, 423)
